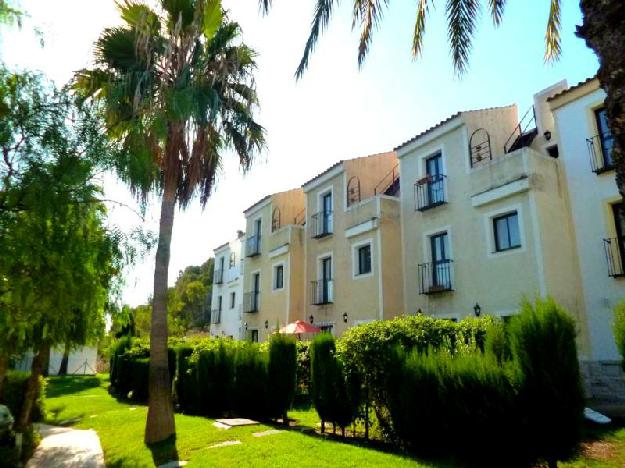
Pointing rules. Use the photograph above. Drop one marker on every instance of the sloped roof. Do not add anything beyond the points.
(572, 88)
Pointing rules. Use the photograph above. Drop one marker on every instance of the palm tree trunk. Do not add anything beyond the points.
(160, 421)
(32, 387)
(64, 361)
(4, 367)
(603, 28)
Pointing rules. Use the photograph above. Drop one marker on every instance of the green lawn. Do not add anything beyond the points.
(85, 403)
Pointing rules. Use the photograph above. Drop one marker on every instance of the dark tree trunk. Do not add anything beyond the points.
(160, 421)
(45, 365)
(4, 367)
(32, 388)
(64, 361)
(603, 28)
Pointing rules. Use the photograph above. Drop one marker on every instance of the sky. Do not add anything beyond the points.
(336, 111)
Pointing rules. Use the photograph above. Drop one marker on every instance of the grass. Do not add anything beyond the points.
(85, 403)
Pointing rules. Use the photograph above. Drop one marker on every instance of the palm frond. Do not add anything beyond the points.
(323, 11)
(369, 14)
(139, 16)
(419, 28)
(462, 17)
(496, 10)
(264, 6)
(552, 37)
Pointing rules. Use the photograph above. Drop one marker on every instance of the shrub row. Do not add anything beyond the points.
(442, 387)
(215, 377)
(14, 391)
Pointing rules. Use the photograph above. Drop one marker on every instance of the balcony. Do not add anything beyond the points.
(218, 276)
(321, 224)
(252, 246)
(216, 316)
(430, 192)
(600, 152)
(322, 292)
(614, 256)
(251, 302)
(435, 277)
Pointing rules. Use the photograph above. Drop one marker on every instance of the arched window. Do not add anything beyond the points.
(479, 147)
(275, 219)
(353, 190)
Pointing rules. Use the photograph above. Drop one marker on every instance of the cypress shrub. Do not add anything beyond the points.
(118, 349)
(282, 373)
(550, 391)
(140, 370)
(335, 397)
(251, 391)
(215, 379)
(185, 380)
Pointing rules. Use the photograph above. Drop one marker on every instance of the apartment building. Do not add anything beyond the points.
(227, 294)
(352, 246)
(274, 263)
(585, 146)
(485, 215)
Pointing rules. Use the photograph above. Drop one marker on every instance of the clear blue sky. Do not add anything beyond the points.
(336, 111)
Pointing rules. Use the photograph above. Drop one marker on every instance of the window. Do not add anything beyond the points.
(278, 277)
(254, 336)
(232, 261)
(363, 265)
(233, 299)
(605, 136)
(219, 302)
(506, 231)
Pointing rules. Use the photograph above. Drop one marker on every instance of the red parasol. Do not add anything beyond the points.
(298, 327)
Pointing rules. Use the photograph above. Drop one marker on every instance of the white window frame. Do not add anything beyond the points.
(491, 251)
(320, 194)
(274, 269)
(320, 259)
(355, 258)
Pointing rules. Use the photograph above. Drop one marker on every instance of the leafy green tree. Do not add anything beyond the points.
(177, 87)
(58, 257)
(603, 29)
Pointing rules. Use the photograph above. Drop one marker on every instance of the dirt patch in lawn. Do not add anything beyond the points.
(598, 450)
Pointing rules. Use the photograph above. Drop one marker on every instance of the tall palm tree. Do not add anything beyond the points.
(603, 29)
(177, 87)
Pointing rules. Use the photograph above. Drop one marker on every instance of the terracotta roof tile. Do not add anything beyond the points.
(572, 88)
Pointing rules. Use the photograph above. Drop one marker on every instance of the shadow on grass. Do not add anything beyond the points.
(71, 384)
(164, 452)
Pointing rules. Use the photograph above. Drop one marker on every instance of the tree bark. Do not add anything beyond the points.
(603, 29)
(160, 421)
(32, 388)
(4, 367)
(64, 361)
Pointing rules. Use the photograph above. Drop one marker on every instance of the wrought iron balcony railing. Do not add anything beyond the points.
(251, 302)
(435, 277)
(321, 224)
(430, 192)
(614, 255)
(218, 276)
(600, 152)
(321, 292)
(252, 246)
(215, 316)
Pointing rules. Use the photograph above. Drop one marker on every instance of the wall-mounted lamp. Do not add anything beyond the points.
(311, 319)
(245, 326)
(345, 317)
(477, 309)
(266, 324)
(547, 135)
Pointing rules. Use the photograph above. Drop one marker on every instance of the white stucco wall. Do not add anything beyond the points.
(230, 324)
(591, 196)
(82, 361)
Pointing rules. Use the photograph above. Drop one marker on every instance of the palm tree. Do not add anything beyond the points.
(603, 29)
(177, 88)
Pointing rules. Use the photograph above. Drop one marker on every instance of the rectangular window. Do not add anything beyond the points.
(605, 136)
(233, 299)
(254, 336)
(219, 301)
(506, 231)
(232, 261)
(364, 259)
(278, 277)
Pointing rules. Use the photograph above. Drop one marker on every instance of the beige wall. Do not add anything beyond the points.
(373, 220)
(525, 181)
(283, 246)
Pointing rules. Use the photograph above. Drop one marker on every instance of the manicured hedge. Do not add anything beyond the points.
(282, 373)
(14, 391)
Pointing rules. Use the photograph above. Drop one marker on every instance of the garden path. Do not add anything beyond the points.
(64, 447)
